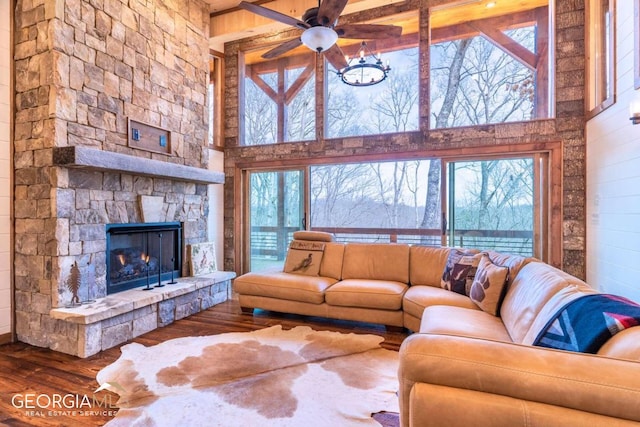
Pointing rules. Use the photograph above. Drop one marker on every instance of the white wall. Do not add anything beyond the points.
(5, 184)
(613, 179)
(216, 208)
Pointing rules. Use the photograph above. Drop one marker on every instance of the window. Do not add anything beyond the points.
(499, 202)
(387, 107)
(275, 213)
(214, 99)
(600, 55)
(492, 69)
(381, 201)
(390, 106)
(490, 203)
(279, 99)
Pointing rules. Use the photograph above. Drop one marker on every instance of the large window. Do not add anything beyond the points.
(600, 55)
(382, 201)
(275, 202)
(390, 106)
(491, 202)
(279, 99)
(491, 69)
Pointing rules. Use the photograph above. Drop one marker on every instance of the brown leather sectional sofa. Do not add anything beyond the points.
(464, 366)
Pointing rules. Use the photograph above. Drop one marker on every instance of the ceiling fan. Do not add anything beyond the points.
(320, 30)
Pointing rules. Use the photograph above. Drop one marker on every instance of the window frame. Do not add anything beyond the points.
(215, 137)
(600, 94)
(493, 31)
(547, 187)
(282, 95)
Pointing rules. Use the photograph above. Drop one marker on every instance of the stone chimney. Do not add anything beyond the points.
(83, 69)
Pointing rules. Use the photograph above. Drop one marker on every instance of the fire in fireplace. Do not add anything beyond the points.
(142, 254)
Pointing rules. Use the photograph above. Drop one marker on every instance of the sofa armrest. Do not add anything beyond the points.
(584, 382)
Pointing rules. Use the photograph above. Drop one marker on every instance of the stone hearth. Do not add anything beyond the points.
(117, 318)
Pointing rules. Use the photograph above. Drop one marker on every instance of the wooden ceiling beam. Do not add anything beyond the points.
(469, 29)
(302, 79)
(508, 45)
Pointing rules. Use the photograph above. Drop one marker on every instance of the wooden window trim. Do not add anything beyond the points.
(596, 65)
(217, 77)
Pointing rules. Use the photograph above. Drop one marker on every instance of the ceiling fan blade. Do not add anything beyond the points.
(282, 48)
(335, 56)
(272, 14)
(330, 10)
(368, 31)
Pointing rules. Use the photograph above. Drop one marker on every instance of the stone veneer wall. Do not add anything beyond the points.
(567, 127)
(83, 68)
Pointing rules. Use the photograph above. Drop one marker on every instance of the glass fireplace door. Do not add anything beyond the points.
(141, 254)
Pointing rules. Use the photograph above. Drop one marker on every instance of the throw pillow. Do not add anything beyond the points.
(460, 270)
(304, 257)
(488, 287)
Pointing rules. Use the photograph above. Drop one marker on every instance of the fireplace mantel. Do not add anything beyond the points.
(91, 158)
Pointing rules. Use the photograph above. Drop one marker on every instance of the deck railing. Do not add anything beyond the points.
(272, 242)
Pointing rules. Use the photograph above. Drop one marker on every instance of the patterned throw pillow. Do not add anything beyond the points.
(304, 257)
(459, 271)
(488, 287)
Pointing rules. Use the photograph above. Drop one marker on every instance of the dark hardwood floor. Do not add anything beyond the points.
(28, 373)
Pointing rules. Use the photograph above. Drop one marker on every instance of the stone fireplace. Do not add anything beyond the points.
(83, 71)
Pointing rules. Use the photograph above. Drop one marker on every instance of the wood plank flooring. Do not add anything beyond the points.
(27, 370)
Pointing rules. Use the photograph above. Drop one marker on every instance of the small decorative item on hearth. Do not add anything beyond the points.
(77, 277)
(73, 284)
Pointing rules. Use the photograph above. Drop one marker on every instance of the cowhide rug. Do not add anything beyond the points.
(270, 377)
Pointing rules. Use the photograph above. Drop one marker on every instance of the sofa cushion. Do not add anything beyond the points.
(463, 322)
(304, 257)
(459, 270)
(623, 345)
(427, 264)
(532, 288)
(367, 293)
(488, 285)
(332, 260)
(294, 287)
(376, 261)
(417, 298)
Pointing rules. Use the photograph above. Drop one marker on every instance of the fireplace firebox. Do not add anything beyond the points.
(142, 254)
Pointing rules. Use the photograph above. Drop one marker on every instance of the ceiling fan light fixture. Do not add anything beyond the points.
(319, 38)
